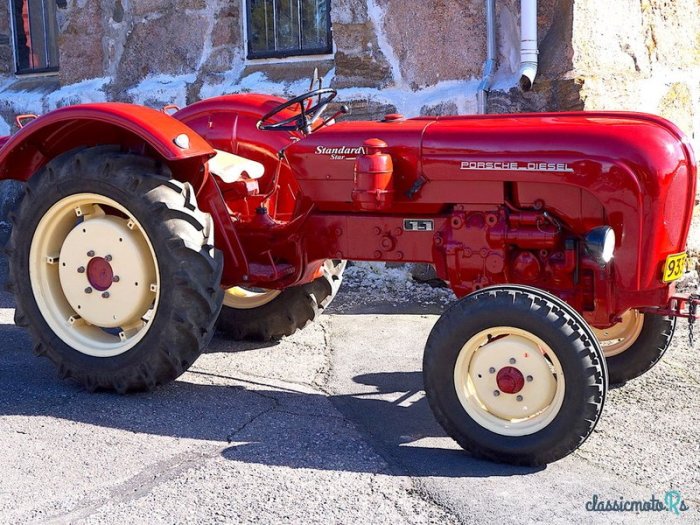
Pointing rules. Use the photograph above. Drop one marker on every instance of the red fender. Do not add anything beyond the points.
(95, 124)
(137, 128)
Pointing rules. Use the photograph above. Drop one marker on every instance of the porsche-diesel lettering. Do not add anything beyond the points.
(516, 166)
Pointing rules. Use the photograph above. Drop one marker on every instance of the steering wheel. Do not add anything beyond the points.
(308, 113)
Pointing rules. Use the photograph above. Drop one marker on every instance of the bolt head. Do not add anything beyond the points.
(88, 290)
(519, 398)
(105, 295)
(529, 379)
(91, 253)
(512, 360)
(108, 258)
(115, 279)
(496, 393)
(81, 269)
(492, 370)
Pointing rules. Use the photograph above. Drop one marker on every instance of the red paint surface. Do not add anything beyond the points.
(510, 380)
(100, 274)
(491, 221)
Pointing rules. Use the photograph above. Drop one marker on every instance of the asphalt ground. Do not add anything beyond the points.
(328, 426)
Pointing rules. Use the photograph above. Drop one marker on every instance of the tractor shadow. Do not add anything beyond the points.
(255, 422)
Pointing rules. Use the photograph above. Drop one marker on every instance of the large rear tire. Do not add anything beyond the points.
(267, 315)
(114, 270)
(514, 375)
(635, 344)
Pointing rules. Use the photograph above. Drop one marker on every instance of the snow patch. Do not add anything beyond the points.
(409, 103)
(162, 89)
(393, 285)
(257, 82)
(4, 128)
(87, 91)
(376, 15)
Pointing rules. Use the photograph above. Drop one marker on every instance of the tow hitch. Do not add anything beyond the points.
(680, 305)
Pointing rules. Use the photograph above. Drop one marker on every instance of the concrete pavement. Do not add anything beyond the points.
(328, 426)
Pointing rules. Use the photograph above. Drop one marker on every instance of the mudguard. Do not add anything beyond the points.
(95, 124)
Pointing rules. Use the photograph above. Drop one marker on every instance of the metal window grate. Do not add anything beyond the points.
(35, 29)
(282, 28)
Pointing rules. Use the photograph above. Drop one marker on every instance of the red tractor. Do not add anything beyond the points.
(562, 234)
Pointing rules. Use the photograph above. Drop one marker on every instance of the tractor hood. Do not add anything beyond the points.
(638, 169)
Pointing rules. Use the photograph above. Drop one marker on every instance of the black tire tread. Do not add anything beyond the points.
(182, 236)
(650, 346)
(552, 310)
(295, 308)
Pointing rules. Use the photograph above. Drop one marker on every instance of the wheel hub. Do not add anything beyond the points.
(510, 378)
(100, 274)
(106, 272)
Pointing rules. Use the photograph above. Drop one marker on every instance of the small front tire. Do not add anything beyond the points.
(634, 345)
(514, 375)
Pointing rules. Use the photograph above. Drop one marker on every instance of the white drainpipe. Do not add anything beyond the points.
(490, 64)
(528, 43)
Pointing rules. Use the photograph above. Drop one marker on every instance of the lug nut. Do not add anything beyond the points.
(105, 295)
(91, 253)
(115, 279)
(512, 360)
(108, 258)
(529, 379)
(492, 370)
(88, 290)
(496, 393)
(519, 398)
(81, 269)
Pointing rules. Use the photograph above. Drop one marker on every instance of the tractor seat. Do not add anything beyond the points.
(231, 168)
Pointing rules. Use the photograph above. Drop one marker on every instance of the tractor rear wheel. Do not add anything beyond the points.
(114, 270)
(514, 375)
(267, 315)
(635, 344)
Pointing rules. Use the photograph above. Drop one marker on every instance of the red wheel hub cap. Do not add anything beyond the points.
(100, 274)
(510, 380)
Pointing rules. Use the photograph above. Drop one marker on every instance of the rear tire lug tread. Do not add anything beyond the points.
(183, 251)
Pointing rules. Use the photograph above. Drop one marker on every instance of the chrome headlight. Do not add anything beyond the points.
(600, 243)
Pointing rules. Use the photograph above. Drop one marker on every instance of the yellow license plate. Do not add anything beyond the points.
(675, 266)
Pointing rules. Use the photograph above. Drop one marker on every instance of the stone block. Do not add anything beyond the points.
(171, 44)
(80, 42)
(435, 41)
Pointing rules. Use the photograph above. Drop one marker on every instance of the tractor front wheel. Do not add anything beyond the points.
(114, 270)
(515, 375)
(266, 315)
(635, 344)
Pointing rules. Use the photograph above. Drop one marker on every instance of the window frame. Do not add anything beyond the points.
(285, 53)
(50, 42)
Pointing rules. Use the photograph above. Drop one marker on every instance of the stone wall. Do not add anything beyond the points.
(390, 55)
(637, 55)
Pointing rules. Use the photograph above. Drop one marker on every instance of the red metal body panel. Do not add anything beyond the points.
(94, 124)
(486, 199)
(633, 172)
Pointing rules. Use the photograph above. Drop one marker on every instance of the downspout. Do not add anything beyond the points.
(528, 43)
(490, 63)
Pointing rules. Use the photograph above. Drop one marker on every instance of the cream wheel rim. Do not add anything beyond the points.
(620, 336)
(484, 380)
(94, 275)
(248, 298)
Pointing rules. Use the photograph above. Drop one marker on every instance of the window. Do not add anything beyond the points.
(282, 28)
(35, 28)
